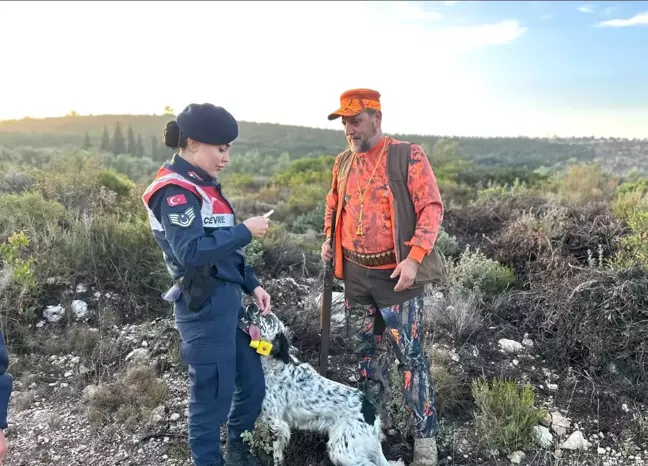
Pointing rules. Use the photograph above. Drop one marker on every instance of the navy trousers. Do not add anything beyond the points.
(226, 380)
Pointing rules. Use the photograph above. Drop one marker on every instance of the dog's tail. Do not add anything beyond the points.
(372, 417)
(381, 460)
(377, 455)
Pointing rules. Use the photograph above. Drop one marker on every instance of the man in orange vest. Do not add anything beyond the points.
(388, 211)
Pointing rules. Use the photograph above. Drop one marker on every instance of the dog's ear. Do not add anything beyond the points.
(281, 348)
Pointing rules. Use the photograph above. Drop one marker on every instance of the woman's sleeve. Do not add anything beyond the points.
(6, 382)
(178, 210)
(251, 280)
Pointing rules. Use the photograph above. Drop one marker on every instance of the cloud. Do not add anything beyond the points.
(449, 3)
(590, 8)
(636, 20)
(467, 38)
(608, 10)
(282, 62)
(410, 11)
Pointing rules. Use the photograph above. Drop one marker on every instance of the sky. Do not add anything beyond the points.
(461, 68)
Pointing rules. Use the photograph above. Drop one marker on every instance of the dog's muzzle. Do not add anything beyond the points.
(250, 323)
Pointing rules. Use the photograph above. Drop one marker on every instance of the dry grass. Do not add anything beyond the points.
(131, 398)
(593, 320)
(457, 313)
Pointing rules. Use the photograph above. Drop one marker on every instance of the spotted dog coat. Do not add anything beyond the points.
(297, 396)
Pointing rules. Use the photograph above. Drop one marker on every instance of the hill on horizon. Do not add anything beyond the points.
(273, 139)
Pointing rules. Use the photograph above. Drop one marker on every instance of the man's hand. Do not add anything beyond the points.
(263, 298)
(407, 271)
(327, 250)
(3, 447)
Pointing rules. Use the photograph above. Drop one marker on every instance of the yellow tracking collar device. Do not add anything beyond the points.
(262, 346)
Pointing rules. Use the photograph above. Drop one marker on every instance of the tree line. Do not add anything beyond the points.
(118, 143)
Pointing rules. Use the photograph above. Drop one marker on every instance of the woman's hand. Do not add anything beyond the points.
(258, 226)
(263, 298)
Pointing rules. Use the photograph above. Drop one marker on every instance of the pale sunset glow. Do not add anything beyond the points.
(450, 68)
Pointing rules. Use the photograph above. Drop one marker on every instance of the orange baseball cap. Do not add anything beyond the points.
(356, 101)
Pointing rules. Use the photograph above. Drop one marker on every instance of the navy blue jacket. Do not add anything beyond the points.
(6, 382)
(189, 243)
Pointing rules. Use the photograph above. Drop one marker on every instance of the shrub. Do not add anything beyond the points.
(284, 253)
(533, 235)
(110, 254)
(18, 271)
(260, 439)
(130, 400)
(506, 414)
(476, 273)
(447, 244)
(16, 181)
(304, 199)
(584, 183)
(448, 389)
(313, 220)
(115, 182)
(592, 320)
(28, 212)
(634, 247)
(458, 313)
(628, 199)
(504, 192)
(254, 253)
(478, 223)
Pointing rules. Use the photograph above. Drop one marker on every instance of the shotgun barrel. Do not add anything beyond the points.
(326, 303)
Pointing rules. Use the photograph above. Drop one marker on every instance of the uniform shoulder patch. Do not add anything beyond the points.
(182, 219)
(178, 199)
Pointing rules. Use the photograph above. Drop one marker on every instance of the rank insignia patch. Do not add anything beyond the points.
(183, 219)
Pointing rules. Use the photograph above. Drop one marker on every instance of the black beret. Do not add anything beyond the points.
(208, 123)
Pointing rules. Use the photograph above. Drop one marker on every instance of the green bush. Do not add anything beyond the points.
(476, 273)
(260, 439)
(282, 252)
(311, 220)
(304, 199)
(254, 253)
(116, 182)
(28, 212)
(18, 270)
(584, 183)
(446, 243)
(629, 199)
(634, 247)
(506, 414)
(112, 255)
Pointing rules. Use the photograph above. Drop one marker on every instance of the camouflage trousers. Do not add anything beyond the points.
(401, 324)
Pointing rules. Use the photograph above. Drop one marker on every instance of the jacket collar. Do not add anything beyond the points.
(195, 174)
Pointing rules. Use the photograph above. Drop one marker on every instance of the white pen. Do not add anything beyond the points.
(266, 215)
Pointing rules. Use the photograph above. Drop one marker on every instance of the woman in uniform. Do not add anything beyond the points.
(195, 226)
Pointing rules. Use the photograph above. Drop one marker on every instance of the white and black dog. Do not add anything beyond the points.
(297, 396)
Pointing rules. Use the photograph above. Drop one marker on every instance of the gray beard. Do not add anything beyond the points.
(364, 146)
